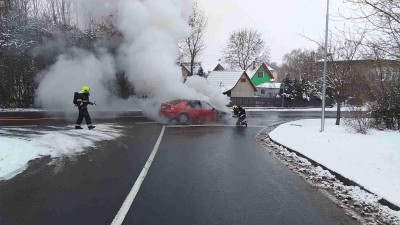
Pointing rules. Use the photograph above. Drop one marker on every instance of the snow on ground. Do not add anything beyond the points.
(21, 110)
(20, 145)
(265, 109)
(372, 160)
(358, 204)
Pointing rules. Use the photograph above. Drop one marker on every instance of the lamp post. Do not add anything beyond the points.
(325, 69)
(283, 94)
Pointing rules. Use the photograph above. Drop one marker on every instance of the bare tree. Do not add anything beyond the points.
(345, 78)
(384, 88)
(193, 45)
(26, 26)
(345, 75)
(302, 64)
(244, 47)
(5, 6)
(383, 18)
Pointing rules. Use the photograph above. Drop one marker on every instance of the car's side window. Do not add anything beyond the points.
(190, 104)
(206, 106)
(197, 104)
(194, 104)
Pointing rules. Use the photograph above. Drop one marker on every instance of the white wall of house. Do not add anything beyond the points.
(243, 88)
(275, 74)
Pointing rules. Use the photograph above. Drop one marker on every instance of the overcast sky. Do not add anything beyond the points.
(279, 21)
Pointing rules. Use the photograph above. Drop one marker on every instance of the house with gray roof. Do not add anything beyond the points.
(233, 83)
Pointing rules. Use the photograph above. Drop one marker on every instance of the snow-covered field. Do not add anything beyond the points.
(372, 160)
(20, 145)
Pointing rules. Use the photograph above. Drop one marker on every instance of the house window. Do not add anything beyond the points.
(263, 91)
(260, 74)
(243, 80)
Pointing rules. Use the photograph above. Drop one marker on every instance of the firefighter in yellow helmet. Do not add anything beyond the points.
(240, 113)
(81, 100)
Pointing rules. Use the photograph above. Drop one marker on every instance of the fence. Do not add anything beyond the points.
(277, 102)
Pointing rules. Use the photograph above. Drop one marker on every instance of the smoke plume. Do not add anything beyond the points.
(151, 30)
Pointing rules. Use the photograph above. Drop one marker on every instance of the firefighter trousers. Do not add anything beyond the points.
(83, 113)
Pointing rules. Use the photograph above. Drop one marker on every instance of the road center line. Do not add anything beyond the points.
(119, 218)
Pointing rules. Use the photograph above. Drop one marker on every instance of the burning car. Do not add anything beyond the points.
(186, 111)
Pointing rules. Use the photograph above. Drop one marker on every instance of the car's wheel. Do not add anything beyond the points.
(183, 118)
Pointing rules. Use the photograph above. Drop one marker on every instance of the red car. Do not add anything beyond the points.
(185, 111)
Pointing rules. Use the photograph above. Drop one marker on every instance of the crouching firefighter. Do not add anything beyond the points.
(81, 100)
(239, 112)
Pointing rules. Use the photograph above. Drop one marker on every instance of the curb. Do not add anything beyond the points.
(340, 177)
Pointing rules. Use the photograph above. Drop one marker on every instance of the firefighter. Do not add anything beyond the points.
(82, 102)
(239, 112)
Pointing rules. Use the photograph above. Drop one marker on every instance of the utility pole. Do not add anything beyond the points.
(325, 69)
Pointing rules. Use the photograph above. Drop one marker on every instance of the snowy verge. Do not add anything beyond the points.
(18, 146)
(22, 110)
(71, 110)
(266, 109)
(357, 203)
(372, 161)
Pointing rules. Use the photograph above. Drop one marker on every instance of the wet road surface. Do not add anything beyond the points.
(200, 175)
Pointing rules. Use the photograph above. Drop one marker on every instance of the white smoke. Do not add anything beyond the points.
(151, 30)
(69, 73)
(212, 94)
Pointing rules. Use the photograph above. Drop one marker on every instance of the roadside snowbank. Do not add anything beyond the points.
(21, 110)
(372, 160)
(18, 146)
(265, 109)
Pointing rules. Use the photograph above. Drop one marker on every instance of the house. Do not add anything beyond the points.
(185, 66)
(268, 90)
(217, 66)
(233, 83)
(262, 74)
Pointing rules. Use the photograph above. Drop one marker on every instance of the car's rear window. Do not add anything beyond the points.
(174, 102)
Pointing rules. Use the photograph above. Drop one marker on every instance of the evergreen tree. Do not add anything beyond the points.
(287, 88)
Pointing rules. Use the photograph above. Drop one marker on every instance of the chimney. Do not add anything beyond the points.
(254, 65)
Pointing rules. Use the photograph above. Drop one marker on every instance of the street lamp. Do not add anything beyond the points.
(325, 69)
(283, 94)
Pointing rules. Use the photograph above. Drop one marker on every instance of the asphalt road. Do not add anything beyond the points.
(200, 175)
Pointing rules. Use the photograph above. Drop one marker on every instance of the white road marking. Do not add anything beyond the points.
(119, 218)
(141, 123)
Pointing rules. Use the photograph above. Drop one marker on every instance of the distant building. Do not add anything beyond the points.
(383, 69)
(219, 66)
(233, 83)
(185, 66)
(261, 75)
(268, 90)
